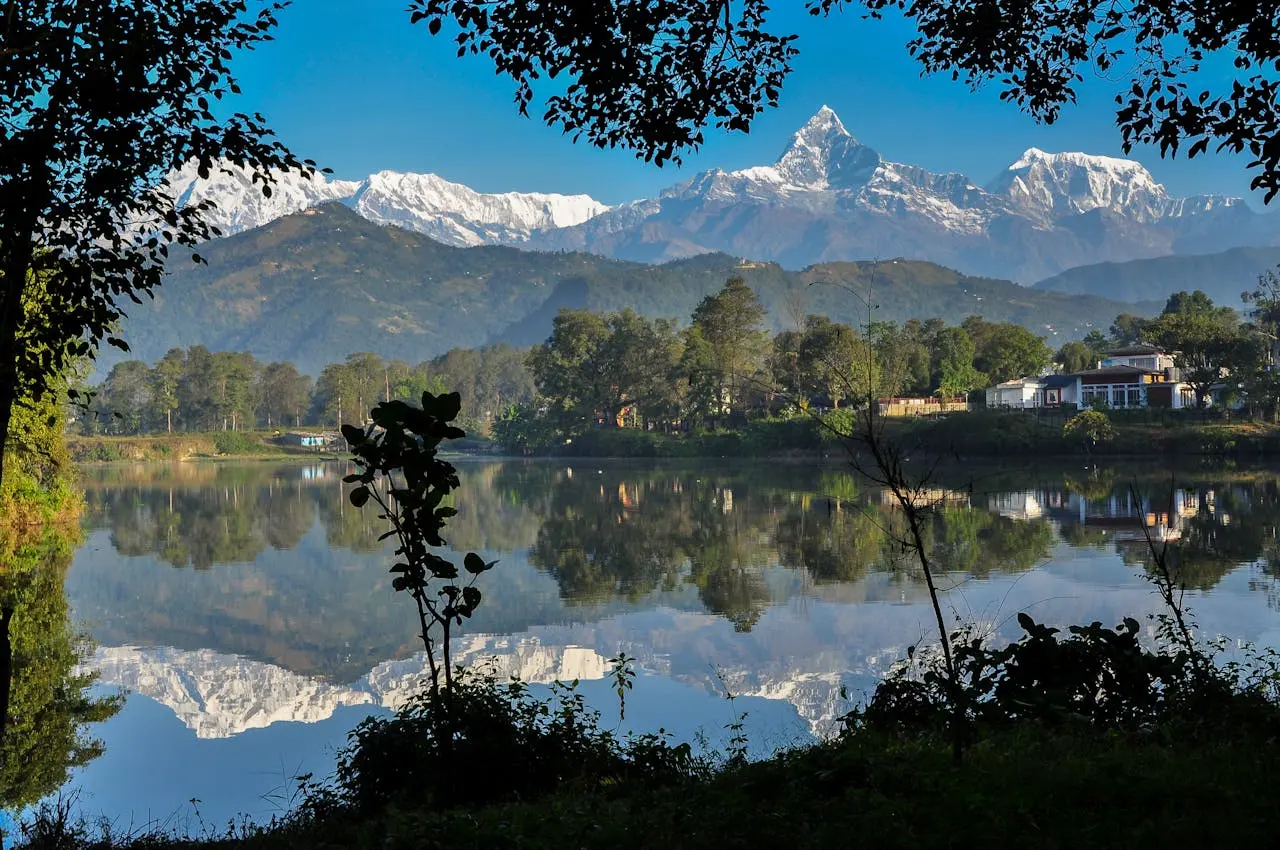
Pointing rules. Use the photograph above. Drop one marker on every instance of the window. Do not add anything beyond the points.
(1117, 397)
(1135, 397)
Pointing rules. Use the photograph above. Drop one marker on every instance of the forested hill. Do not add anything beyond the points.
(313, 287)
(1222, 276)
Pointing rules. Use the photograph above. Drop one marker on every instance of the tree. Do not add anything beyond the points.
(124, 397)
(951, 359)
(1263, 385)
(284, 393)
(1127, 329)
(639, 356)
(569, 368)
(98, 101)
(237, 379)
(334, 399)
(649, 74)
(1007, 351)
(1076, 356)
(1205, 340)
(834, 360)
(731, 323)
(1089, 427)
(165, 377)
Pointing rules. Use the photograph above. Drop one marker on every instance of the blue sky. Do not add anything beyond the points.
(361, 92)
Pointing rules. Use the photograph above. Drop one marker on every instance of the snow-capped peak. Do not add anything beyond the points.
(457, 214)
(427, 203)
(821, 155)
(1054, 184)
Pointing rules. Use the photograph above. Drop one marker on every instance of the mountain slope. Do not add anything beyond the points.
(1223, 276)
(315, 286)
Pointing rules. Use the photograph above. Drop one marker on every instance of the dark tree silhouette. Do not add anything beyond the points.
(98, 101)
(650, 74)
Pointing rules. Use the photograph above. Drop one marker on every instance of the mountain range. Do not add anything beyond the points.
(827, 198)
(314, 286)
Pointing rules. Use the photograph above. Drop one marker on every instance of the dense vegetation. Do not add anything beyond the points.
(196, 390)
(725, 370)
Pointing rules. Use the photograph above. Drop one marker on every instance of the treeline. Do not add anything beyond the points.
(722, 370)
(195, 389)
(725, 368)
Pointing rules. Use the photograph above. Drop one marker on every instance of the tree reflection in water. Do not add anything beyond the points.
(50, 701)
(715, 538)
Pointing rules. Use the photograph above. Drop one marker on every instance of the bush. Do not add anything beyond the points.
(1093, 677)
(237, 443)
(505, 744)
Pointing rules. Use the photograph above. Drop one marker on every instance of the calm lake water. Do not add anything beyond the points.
(248, 612)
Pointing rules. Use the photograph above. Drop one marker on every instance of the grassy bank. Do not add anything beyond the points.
(1016, 433)
(217, 445)
(997, 434)
(167, 447)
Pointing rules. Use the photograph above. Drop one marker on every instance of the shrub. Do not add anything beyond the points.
(1089, 427)
(236, 443)
(506, 744)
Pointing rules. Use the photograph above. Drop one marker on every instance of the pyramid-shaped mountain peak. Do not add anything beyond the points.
(822, 153)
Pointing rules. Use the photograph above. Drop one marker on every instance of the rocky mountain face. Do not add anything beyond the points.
(828, 197)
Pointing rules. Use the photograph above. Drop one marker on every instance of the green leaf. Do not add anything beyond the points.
(360, 496)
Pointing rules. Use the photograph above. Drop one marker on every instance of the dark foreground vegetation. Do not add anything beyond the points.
(1078, 739)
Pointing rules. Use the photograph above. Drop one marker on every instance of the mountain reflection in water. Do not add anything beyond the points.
(249, 598)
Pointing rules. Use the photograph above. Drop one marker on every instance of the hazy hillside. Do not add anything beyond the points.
(315, 286)
(1223, 276)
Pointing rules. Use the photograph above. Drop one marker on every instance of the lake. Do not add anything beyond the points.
(247, 610)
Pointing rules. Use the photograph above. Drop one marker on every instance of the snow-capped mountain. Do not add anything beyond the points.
(828, 197)
(239, 202)
(447, 212)
(1054, 185)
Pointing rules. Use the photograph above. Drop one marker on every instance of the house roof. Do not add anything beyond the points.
(1135, 350)
(1053, 382)
(1116, 371)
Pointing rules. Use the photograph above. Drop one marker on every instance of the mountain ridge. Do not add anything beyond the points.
(827, 197)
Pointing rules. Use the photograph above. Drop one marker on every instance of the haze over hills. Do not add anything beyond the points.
(1222, 276)
(315, 286)
(828, 197)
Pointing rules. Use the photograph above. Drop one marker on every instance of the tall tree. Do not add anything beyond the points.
(97, 102)
(284, 394)
(1007, 351)
(835, 360)
(570, 368)
(1205, 339)
(165, 378)
(124, 398)
(731, 322)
